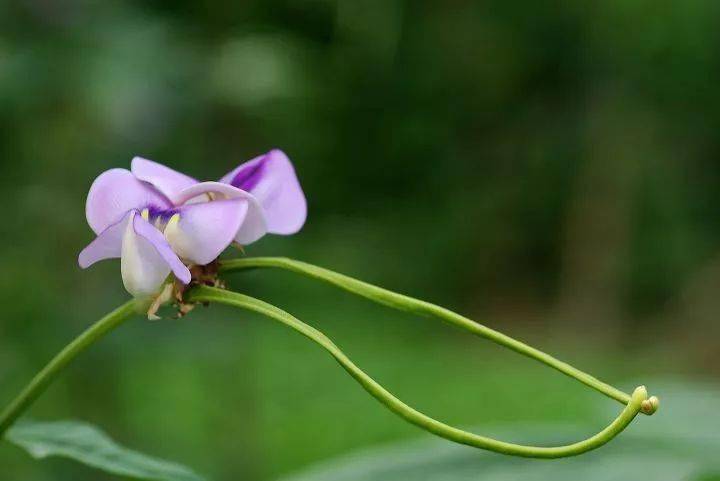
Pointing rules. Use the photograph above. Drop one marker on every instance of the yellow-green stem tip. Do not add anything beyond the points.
(650, 405)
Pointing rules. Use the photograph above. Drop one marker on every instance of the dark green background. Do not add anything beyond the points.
(549, 168)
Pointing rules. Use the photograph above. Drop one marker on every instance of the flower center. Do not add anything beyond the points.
(160, 219)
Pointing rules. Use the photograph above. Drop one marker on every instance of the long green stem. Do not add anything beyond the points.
(211, 294)
(406, 303)
(43, 378)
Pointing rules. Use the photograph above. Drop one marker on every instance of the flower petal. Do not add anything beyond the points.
(114, 193)
(272, 180)
(253, 226)
(146, 230)
(168, 181)
(107, 245)
(200, 232)
(147, 259)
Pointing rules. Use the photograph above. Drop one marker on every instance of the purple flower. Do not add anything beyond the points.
(158, 221)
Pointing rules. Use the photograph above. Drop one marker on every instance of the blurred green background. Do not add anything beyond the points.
(548, 168)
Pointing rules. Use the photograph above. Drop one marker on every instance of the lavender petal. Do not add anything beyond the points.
(253, 226)
(271, 178)
(200, 232)
(164, 179)
(114, 193)
(107, 245)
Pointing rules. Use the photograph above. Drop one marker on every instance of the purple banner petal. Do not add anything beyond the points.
(272, 180)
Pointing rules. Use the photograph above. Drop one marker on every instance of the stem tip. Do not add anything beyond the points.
(650, 405)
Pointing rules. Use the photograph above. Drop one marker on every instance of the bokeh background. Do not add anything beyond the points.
(548, 168)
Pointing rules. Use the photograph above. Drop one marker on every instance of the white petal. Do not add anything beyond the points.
(143, 268)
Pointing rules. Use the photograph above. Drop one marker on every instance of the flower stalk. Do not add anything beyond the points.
(633, 407)
(417, 306)
(637, 402)
(42, 379)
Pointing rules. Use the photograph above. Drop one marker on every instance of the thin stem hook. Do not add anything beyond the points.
(417, 306)
(212, 294)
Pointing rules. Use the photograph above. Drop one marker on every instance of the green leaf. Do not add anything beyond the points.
(87, 444)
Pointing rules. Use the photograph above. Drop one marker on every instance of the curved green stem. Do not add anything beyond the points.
(406, 303)
(211, 294)
(43, 378)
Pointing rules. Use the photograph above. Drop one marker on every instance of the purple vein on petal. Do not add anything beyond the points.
(155, 212)
(248, 177)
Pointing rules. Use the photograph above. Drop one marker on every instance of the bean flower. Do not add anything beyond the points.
(159, 221)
